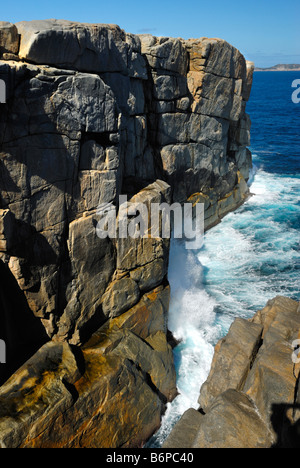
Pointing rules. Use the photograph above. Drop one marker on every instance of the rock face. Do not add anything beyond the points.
(92, 113)
(251, 396)
(114, 386)
(9, 38)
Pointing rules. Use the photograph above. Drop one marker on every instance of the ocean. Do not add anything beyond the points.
(249, 258)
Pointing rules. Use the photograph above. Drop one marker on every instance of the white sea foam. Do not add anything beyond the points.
(250, 257)
(191, 320)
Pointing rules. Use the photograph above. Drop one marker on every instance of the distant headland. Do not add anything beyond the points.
(281, 67)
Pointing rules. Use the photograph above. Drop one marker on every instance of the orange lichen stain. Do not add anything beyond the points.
(198, 197)
(152, 296)
(226, 197)
(137, 319)
(96, 366)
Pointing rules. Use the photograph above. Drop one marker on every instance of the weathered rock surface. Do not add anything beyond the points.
(232, 422)
(92, 113)
(185, 431)
(233, 360)
(97, 395)
(251, 396)
(9, 38)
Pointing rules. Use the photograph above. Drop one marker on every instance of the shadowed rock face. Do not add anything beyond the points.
(109, 393)
(15, 318)
(251, 396)
(93, 112)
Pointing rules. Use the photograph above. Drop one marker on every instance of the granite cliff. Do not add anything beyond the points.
(91, 113)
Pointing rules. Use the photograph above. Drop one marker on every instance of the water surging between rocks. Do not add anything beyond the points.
(251, 257)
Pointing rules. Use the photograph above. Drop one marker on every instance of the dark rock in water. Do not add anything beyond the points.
(251, 397)
(91, 113)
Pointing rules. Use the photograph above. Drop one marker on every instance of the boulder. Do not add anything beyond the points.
(120, 295)
(232, 422)
(185, 431)
(165, 53)
(251, 396)
(40, 387)
(232, 361)
(273, 380)
(67, 397)
(93, 48)
(247, 85)
(7, 230)
(9, 38)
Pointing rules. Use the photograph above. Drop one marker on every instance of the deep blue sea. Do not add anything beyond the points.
(251, 257)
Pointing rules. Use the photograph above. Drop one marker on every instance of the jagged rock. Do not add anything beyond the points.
(7, 230)
(168, 87)
(128, 92)
(232, 422)
(215, 96)
(22, 332)
(92, 104)
(232, 360)
(87, 47)
(140, 252)
(218, 57)
(91, 263)
(69, 397)
(9, 38)
(120, 295)
(273, 381)
(40, 388)
(251, 396)
(165, 53)
(248, 84)
(150, 275)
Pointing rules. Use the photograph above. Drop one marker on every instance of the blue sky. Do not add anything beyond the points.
(265, 31)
